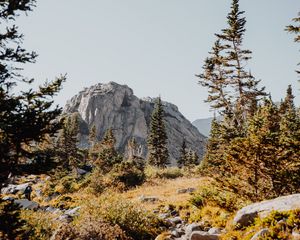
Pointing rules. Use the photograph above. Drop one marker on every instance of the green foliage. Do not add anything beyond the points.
(130, 173)
(89, 229)
(39, 225)
(215, 196)
(11, 224)
(157, 138)
(26, 117)
(135, 222)
(280, 225)
(166, 173)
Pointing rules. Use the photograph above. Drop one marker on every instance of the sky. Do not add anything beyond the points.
(155, 47)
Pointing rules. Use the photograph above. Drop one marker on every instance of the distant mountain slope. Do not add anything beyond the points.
(203, 125)
(115, 106)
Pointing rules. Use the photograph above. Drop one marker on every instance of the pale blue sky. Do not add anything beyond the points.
(155, 46)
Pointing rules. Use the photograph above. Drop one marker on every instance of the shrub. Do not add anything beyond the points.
(130, 173)
(135, 222)
(11, 223)
(163, 173)
(214, 196)
(89, 229)
(40, 225)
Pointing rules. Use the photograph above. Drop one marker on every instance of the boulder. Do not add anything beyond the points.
(13, 189)
(246, 215)
(73, 212)
(115, 106)
(260, 234)
(150, 199)
(8, 198)
(186, 190)
(215, 230)
(26, 204)
(200, 235)
(174, 221)
(192, 228)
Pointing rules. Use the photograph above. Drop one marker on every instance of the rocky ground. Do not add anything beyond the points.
(160, 199)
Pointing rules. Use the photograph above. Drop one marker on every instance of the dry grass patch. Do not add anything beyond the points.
(165, 191)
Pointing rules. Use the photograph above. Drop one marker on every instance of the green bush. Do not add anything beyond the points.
(214, 196)
(163, 173)
(130, 173)
(89, 229)
(135, 222)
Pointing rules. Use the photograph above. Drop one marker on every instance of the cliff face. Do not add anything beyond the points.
(115, 106)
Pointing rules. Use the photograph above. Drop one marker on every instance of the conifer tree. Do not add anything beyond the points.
(183, 155)
(295, 29)
(25, 117)
(157, 138)
(67, 149)
(233, 91)
(107, 156)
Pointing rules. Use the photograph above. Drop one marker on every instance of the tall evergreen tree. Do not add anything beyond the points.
(233, 91)
(295, 29)
(67, 148)
(25, 117)
(183, 155)
(157, 138)
(107, 156)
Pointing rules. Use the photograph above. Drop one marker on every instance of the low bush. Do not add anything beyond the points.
(280, 225)
(130, 173)
(135, 222)
(89, 229)
(163, 173)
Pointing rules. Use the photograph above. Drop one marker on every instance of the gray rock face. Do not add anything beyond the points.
(115, 106)
(13, 189)
(246, 215)
(200, 235)
(26, 204)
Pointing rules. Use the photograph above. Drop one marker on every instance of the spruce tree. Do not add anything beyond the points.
(233, 91)
(107, 156)
(183, 155)
(157, 139)
(25, 117)
(295, 29)
(67, 148)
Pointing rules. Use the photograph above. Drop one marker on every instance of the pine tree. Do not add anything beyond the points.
(107, 156)
(25, 117)
(157, 138)
(183, 155)
(295, 29)
(67, 149)
(233, 91)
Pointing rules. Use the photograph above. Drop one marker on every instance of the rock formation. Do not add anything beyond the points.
(115, 106)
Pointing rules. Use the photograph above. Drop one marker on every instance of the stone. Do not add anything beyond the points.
(150, 199)
(296, 235)
(260, 234)
(65, 218)
(26, 204)
(115, 106)
(164, 215)
(246, 215)
(81, 171)
(175, 220)
(73, 212)
(215, 230)
(38, 192)
(192, 228)
(8, 198)
(53, 210)
(185, 190)
(201, 235)
(13, 189)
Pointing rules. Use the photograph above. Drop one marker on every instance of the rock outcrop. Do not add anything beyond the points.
(115, 106)
(246, 215)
